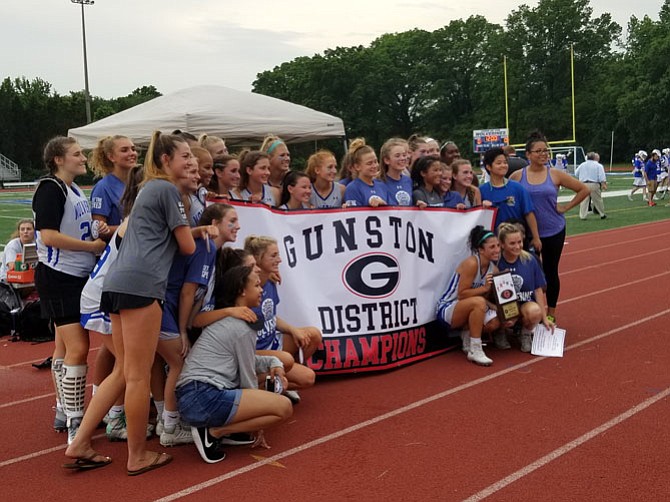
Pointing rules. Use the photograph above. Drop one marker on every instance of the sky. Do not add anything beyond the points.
(173, 45)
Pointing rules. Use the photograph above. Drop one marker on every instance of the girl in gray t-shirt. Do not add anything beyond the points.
(135, 285)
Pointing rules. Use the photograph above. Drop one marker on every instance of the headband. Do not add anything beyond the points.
(484, 237)
(274, 145)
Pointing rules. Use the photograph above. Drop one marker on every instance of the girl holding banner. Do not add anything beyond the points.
(464, 304)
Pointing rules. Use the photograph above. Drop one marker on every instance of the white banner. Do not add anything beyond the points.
(369, 278)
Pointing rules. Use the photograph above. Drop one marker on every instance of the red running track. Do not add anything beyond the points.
(590, 425)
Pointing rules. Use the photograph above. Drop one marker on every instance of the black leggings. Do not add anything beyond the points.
(552, 247)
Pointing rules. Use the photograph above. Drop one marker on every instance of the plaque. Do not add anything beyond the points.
(505, 295)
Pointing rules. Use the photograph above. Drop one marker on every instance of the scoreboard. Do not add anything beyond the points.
(485, 139)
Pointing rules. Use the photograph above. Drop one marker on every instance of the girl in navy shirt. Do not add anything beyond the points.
(365, 190)
(529, 283)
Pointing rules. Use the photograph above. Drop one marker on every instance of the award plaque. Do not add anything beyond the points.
(505, 295)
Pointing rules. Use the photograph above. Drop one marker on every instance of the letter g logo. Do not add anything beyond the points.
(373, 275)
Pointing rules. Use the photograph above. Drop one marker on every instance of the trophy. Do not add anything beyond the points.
(505, 295)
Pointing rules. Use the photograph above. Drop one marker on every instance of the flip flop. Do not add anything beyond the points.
(153, 465)
(86, 464)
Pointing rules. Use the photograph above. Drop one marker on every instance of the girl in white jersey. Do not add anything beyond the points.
(464, 304)
(322, 171)
(226, 176)
(295, 192)
(66, 250)
(255, 173)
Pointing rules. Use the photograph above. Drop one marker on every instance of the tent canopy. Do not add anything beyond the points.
(237, 116)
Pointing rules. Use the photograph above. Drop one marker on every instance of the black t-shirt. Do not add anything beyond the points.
(49, 205)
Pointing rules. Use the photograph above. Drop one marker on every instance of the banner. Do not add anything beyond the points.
(368, 278)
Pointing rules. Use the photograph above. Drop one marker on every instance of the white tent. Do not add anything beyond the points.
(237, 116)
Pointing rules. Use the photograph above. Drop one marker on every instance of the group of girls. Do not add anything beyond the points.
(121, 295)
(467, 305)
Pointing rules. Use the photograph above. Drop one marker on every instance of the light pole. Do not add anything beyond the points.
(87, 95)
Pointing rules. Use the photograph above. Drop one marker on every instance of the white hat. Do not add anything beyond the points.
(642, 154)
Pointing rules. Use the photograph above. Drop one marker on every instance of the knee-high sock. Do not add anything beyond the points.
(74, 389)
(57, 370)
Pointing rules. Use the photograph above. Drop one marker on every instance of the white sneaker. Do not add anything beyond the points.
(526, 340)
(630, 197)
(465, 339)
(176, 435)
(159, 428)
(477, 356)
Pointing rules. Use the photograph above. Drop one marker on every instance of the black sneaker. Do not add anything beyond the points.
(208, 446)
(237, 439)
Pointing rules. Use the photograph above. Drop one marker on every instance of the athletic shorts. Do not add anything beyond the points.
(445, 314)
(60, 294)
(662, 176)
(97, 321)
(203, 405)
(638, 182)
(167, 335)
(114, 302)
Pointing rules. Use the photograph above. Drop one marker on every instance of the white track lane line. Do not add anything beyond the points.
(612, 288)
(614, 244)
(9, 366)
(559, 452)
(605, 263)
(36, 454)
(380, 418)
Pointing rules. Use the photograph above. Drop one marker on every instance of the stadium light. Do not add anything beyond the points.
(87, 95)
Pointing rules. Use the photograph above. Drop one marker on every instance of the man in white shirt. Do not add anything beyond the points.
(592, 174)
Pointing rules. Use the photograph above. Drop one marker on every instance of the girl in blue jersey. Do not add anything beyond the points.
(462, 184)
(226, 177)
(638, 177)
(277, 337)
(464, 304)
(296, 192)
(450, 198)
(198, 199)
(66, 251)
(135, 286)
(322, 170)
(187, 283)
(394, 164)
(366, 189)
(511, 200)
(529, 283)
(650, 173)
(113, 158)
(426, 175)
(255, 173)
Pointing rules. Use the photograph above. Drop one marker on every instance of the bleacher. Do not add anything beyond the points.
(9, 170)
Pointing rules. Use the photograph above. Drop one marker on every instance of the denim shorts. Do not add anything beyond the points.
(203, 405)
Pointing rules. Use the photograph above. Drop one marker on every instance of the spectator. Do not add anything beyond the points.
(592, 173)
(24, 234)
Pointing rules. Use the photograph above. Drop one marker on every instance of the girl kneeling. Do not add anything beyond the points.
(464, 304)
(217, 390)
(529, 281)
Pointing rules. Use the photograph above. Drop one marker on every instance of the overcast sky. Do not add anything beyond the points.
(173, 45)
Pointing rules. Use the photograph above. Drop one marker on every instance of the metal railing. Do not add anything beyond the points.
(9, 170)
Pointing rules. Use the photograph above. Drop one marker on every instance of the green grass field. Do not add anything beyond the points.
(15, 205)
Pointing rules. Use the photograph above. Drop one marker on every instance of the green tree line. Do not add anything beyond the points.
(31, 113)
(447, 82)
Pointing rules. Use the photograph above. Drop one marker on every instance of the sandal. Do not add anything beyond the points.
(153, 465)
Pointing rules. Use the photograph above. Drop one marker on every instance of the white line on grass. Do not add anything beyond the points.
(380, 418)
